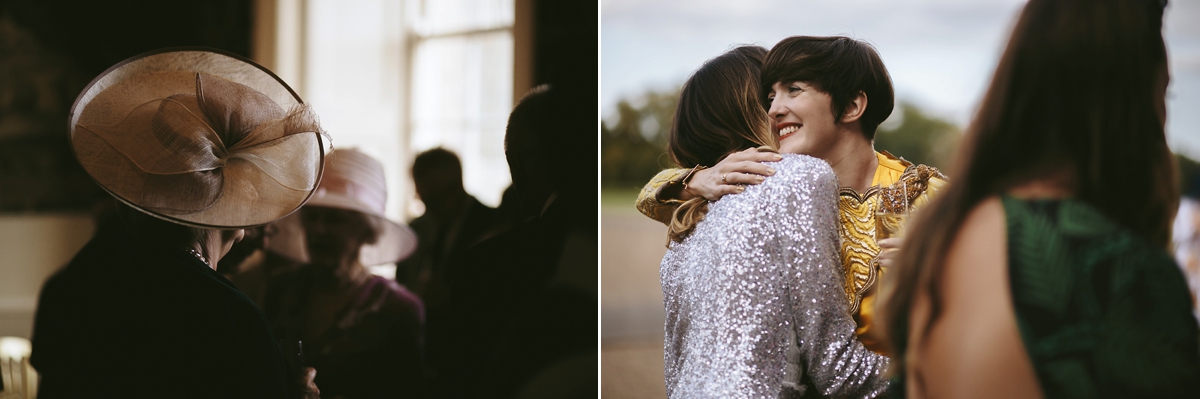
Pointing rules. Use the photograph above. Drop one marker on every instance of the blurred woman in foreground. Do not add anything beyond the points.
(754, 306)
(1042, 272)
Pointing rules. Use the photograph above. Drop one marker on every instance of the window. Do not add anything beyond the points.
(461, 87)
(394, 78)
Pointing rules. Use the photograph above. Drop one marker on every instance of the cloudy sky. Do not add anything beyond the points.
(940, 53)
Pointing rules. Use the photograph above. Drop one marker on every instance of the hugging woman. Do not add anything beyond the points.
(752, 283)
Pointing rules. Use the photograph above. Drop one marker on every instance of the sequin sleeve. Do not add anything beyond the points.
(834, 360)
(649, 202)
(753, 298)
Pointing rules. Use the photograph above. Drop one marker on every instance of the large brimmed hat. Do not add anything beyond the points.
(352, 181)
(198, 137)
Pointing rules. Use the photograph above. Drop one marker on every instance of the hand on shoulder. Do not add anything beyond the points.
(731, 174)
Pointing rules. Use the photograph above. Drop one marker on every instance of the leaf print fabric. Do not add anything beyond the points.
(1102, 313)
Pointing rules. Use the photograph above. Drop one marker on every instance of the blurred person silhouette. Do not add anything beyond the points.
(196, 145)
(1042, 271)
(364, 332)
(453, 221)
(533, 287)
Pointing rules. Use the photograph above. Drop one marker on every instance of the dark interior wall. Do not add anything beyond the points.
(100, 33)
(565, 43)
(51, 49)
(566, 56)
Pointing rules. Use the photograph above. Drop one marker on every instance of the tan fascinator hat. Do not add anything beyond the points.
(198, 137)
(353, 181)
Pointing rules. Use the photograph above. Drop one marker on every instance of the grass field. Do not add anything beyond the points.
(618, 199)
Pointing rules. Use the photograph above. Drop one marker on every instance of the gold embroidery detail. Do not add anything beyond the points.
(649, 202)
(857, 215)
(919, 179)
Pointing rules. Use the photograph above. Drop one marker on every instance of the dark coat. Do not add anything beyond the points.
(439, 241)
(130, 319)
(508, 286)
(371, 349)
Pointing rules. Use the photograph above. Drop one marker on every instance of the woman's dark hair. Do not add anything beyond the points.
(154, 230)
(1080, 87)
(837, 65)
(718, 114)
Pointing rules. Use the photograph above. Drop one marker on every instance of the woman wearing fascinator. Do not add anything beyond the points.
(196, 145)
(751, 283)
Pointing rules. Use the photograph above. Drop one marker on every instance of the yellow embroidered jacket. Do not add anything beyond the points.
(857, 216)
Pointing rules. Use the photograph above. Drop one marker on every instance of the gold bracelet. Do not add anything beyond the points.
(688, 176)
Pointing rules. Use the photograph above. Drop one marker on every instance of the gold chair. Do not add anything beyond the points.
(19, 378)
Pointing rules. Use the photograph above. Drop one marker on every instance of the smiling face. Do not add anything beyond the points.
(803, 119)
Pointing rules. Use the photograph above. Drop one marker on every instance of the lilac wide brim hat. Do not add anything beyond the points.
(352, 181)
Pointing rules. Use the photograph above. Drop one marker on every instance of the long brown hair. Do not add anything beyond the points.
(1080, 87)
(719, 113)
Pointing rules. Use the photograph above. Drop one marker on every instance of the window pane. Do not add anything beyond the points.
(462, 94)
(442, 16)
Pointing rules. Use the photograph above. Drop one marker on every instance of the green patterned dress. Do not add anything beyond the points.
(1102, 313)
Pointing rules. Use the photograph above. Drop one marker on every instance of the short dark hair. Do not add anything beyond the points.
(837, 65)
(529, 121)
(541, 128)
(437, 159)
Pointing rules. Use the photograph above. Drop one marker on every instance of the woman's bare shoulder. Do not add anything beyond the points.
(982, 229)
(974, 347)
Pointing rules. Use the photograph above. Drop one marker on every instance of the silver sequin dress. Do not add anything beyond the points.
(754, 300)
